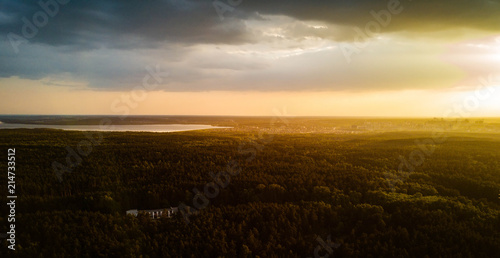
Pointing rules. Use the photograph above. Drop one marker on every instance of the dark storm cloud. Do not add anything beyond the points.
(103, 41)
(124, 24)
(79, 37)
(128, 24)
(417, 15)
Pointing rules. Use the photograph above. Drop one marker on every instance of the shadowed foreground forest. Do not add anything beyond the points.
(255, 191)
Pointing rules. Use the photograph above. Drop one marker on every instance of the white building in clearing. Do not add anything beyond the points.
(155, 214)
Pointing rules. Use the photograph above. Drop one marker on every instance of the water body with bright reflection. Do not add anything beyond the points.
(158, 128)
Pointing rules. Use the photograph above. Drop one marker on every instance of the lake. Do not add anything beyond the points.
(158, 128)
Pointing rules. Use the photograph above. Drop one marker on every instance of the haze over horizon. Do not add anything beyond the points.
(390, 58)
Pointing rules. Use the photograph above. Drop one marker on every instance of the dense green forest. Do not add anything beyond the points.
(284, 193)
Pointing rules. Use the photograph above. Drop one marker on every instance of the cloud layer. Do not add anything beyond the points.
(258, 45)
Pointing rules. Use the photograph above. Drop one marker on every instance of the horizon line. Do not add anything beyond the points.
(256, 116)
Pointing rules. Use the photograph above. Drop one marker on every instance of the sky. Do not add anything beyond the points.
(418, 58)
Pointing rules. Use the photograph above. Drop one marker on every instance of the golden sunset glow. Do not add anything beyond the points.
(376, 63)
